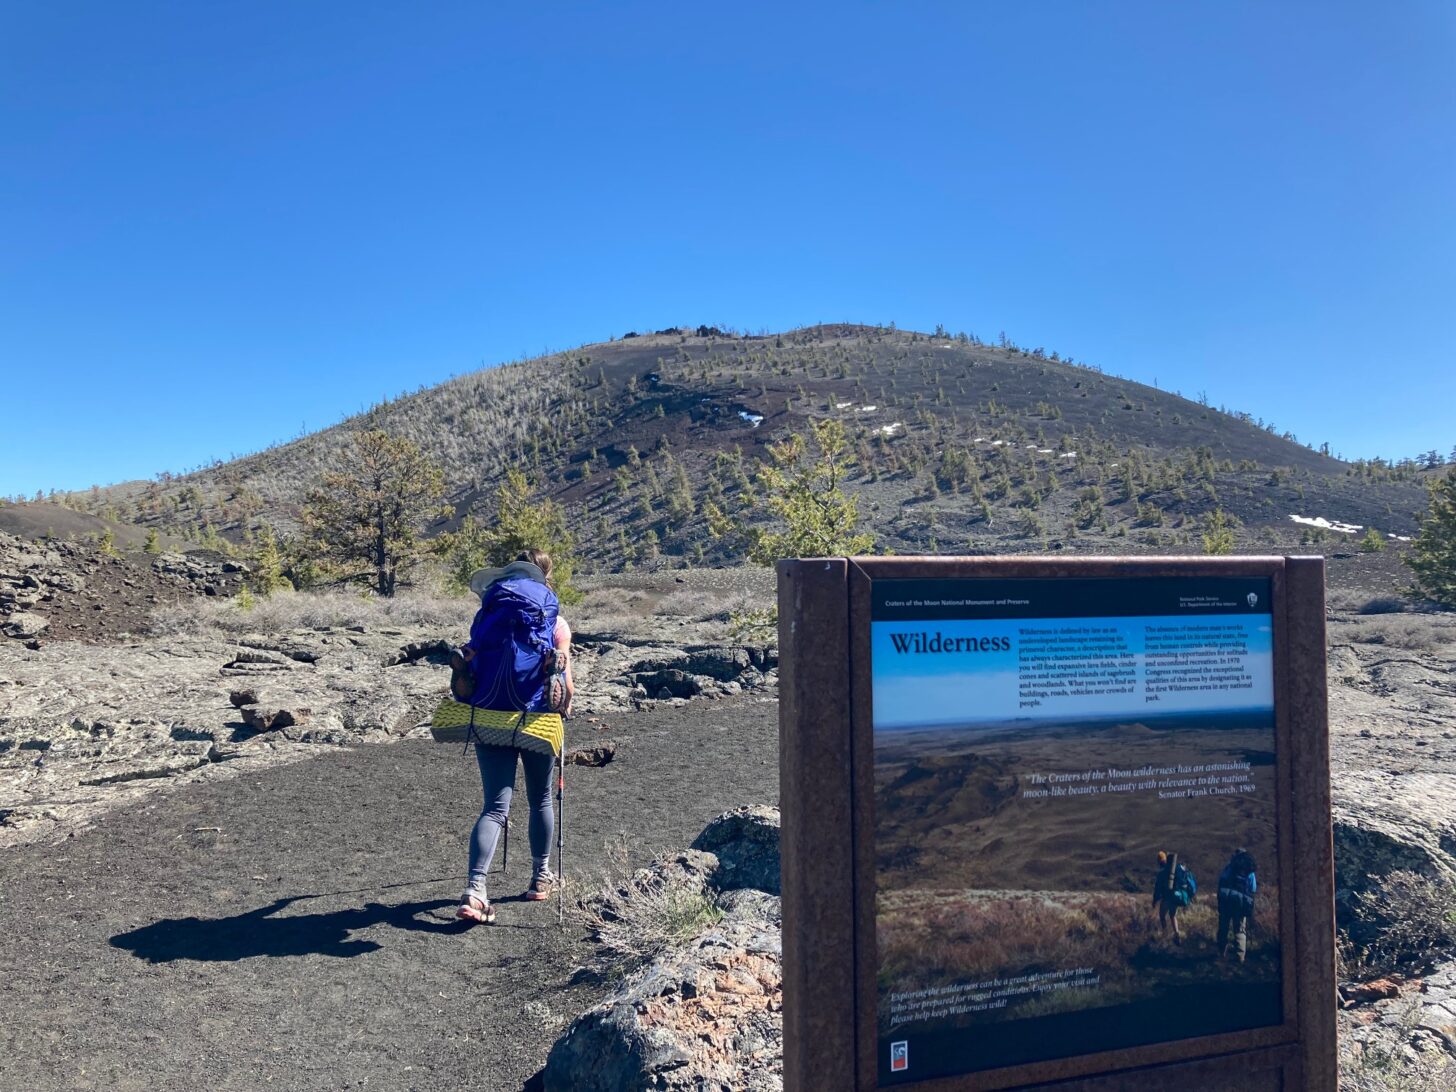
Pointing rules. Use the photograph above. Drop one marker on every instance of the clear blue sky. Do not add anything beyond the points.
(222, 222)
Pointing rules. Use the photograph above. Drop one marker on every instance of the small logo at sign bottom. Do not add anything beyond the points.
(899, 1056)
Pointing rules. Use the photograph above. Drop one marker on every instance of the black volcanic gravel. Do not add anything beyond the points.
(309, 941)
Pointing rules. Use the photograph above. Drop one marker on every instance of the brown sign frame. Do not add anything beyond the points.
(827, 792)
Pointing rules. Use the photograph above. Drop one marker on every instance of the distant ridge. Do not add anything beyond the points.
(961, 447)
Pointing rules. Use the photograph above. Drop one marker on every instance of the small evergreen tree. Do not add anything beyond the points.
(1433, 554)
(1218, 534)
(1372, 542)
(153, 543)
(267, 565)
(800, 490)
(522, 521)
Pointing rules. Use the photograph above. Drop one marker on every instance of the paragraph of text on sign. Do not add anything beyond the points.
(1169, 782)
(959, 998)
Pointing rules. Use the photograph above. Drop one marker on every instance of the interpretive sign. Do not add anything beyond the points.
(1042, 819)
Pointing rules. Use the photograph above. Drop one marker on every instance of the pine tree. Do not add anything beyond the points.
(800, 490)
(522, 521)
(267, 564)
(1218, 534)
(153, 543)
(1433, 554)
(368, 516)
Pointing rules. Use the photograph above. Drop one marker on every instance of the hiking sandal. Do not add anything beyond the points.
(541, 888)
(473, 908)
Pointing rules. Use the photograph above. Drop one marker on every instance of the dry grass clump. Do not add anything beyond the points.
(605, 611)
(937, 939)
(1356, 602)
(697, 604)
(937, 942)
(635, 916)
(1382, 1069)
(609, 608)
(318, 610)
(1384, 1064)
(1405, 922)
(1413, 632)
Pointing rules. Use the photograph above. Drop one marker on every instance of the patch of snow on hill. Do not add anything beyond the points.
(1329, 525)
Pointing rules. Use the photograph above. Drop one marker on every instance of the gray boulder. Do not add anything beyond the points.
(1385, 822)
(264, 718)
(723, 664)
(24, 624)
(746, 843)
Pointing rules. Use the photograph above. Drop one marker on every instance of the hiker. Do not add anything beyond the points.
(1237, 886)
(1173, 890)
(516, 662)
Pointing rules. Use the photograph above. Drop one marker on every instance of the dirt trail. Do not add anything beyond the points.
(294, 927)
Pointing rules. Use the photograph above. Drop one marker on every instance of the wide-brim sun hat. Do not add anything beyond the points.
(481, 579)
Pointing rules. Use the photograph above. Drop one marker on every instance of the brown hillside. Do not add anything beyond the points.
(961, 447)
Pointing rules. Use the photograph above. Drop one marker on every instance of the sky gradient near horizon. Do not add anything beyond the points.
(225, 224)
(912, 688)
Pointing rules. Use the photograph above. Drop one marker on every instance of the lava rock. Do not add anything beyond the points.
(746, 843)
(723, 664)
(265, 718)
(597, 756)
(24, 625)
(240, 698)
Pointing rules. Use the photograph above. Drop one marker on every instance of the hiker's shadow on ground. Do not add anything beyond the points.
(260, 933)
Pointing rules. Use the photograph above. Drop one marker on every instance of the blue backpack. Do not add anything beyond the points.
(1184, 885)
(1236, 886)
(513, 644)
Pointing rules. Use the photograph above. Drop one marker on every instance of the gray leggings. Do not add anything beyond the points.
(498, 779)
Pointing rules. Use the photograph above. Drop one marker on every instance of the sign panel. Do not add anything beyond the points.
(1075, 817)
(1041, 819)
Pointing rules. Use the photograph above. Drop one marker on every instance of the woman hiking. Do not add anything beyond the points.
(1173, 889)
(515, 664)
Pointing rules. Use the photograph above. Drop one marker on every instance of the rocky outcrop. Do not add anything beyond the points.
(31, 574)
(211, 572)
(24, 624)
(56, 589)
(1386, 822)
(629, 672)
(745, 842)
(84, 728)
(1393, 747)
(705, 1014)
(1402, 1024)
(137, 715)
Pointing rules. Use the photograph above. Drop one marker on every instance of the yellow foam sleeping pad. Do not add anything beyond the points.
(543, 732)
